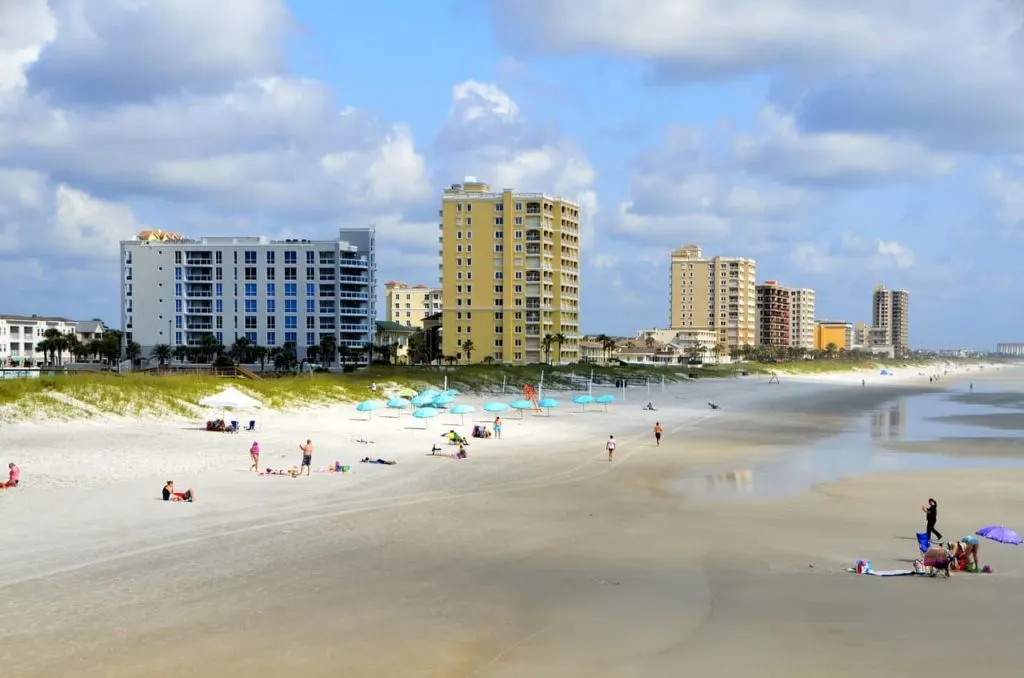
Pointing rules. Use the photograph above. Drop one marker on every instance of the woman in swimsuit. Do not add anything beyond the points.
(965, 551)
(254, 454)
(170, 495)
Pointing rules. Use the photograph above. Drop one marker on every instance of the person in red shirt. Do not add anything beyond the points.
(13, 477)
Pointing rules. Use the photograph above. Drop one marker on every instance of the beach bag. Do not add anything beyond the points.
(923, 542)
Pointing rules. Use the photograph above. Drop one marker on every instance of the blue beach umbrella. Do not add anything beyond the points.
(521, 405)
(462, 410)
(583, 400)
(605, 400)
(430, 393)
(443, 400)
(548, 404)
(452, 392)
(398, 404)
(495, 407)
(426, 413)
(421, 400)
(368, 406)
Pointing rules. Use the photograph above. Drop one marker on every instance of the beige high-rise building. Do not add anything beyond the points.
(410, 304)
(801, 310)
(713, 293)
(510, 274)
(889, 318)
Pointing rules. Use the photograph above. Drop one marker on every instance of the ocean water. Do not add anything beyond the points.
(857, 451)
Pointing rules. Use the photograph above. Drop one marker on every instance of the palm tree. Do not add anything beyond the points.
(328, 348)
(162, 353)
(718, 350)
(559, 339)
(180, 353)
(546, 343)
(831, 349)
(133, 352)
(260, 355)
(450, 359)
(209, 347)
(241, 350)
(467, 348)
(649, 342)
(344, 354)
(603, 340)
(46, 347)
(312, 354)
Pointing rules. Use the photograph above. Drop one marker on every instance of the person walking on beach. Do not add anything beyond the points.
(497, 428)
(254, 454)
(657, 433)
(610, 446)
(931, 515)
(307, 456)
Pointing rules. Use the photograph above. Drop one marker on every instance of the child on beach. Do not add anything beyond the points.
(497, 428)
(610, 446)
(254, 454)
(13, 477)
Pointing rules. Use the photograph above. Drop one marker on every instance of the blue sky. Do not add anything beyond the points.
(840, 145)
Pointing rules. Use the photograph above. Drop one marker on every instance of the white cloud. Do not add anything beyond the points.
(1006, 194)
(783, 151)
(851, 253)
(604, 261)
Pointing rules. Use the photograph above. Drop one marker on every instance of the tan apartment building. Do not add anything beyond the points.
(801, 317)
(713, 293)
(510, 274)
(410, 304)
(889, 319)
(861, 334)
(773, 320)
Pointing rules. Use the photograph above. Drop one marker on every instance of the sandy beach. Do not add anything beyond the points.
(533, 557)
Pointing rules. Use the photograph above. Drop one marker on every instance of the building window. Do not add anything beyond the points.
(290, 305)
(519, 207)
(177, 338)
(499, 221)
(519, 222)
(177, 305)
(519, 234)
(310, 257)
(310, 290)
(291, 322)
(271, 322)
(519, 248)
(250, 257)
(271, 306)
(290, 257)
(219, 306)
(177, 257)
(291, 290)
(291, 337)
(499, 248)
(250, 306)
(271, 338)
(270, 272)
(220, 289)
(310, 338)
(310, 305)
(250, 289)
(218, 273)
(290, 273)
(251, 336)
(271, 289)
(177, 289)
(250, 322)
(218, 257)
(177, 321)
(310, 322)
(250, 272)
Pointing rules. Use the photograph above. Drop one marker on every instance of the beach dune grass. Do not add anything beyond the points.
(75, 396)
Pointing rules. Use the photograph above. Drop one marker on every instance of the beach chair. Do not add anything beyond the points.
(251, 426)
(923, 541)
(233, 428)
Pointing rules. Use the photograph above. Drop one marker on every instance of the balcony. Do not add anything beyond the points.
(198, 261)
(353, 295)
(365, 280)
(533, 249)
(359, 262)
(198, 310)
(349, 327)
(198, 326)
(198, 277)
(193, 293)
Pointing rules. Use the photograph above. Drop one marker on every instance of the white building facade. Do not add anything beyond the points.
(271, 292)
(21, 334)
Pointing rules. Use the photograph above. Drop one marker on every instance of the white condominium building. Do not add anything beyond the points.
(176, 290)
(801, 310)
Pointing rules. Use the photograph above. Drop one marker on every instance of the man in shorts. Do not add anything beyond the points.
(307, 456)
(657, 433)
(610, 446)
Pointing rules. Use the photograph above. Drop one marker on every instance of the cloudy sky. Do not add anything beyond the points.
(840, 144)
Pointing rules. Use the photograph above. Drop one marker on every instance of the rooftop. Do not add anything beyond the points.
(35, 318)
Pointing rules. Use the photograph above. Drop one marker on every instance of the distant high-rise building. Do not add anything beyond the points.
(713, 293)
(773, 320)
(889, 319)
(801, 313)
(510, 274)
(410, 304)
(1014, 348)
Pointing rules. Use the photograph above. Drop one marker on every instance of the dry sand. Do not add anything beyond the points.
(534, 557)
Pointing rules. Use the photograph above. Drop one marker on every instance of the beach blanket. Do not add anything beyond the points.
(883, 573)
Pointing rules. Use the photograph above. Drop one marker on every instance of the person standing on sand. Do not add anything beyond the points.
(931, 513)
(657, 433)
(254, 454)
(610, 446)
(497, 428)
(307, 456)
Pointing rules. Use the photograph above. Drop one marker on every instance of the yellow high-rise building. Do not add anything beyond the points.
(714, 293)
(510, 275)
(410, 304)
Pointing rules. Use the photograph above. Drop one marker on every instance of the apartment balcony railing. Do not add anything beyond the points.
(349, 327)
(353, 295)
(197, 294)
(361, 262)
(354, 279)
(198, 261)
(198, 277)
(327, 277)
(199, 310)
(198, 326)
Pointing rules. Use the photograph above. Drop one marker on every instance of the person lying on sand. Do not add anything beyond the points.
(170, 495)
(293, 472)
(367, 460)
(13, 477)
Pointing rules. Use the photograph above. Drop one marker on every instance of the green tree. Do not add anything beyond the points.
(559, 339)
(328, 349)
(546, 343)
(467, 349)
(161, 353)
(133, 352)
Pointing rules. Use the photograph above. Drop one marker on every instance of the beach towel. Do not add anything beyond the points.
(883, 573)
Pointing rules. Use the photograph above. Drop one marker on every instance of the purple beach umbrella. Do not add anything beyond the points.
(1003, 535)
